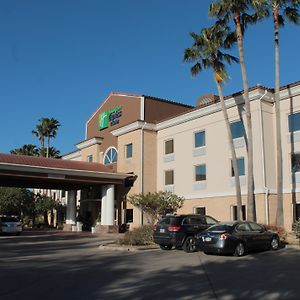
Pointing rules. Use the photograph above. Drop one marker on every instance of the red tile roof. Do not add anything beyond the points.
(52, 163)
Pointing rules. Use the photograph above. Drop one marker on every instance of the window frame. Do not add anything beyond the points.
(106, 154)
(195, 172)
(204, 139)
(243, 129)
(291, 122)
(165, 177)
(166, 148)
(128, 146)
(297, 170)
(244, 169)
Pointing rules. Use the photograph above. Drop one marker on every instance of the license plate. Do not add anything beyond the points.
(206, 239)
(161, 230)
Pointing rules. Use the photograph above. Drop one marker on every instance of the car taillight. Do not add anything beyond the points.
(174, 228)
(223, 236)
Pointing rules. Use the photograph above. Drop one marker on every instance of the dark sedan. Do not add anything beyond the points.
(236, 238)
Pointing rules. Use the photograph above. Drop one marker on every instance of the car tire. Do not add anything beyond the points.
(165, 247)
(274, 245)
(239, 249)
(189, 244)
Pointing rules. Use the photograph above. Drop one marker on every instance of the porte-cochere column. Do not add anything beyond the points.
(71, 209)
(108, 205)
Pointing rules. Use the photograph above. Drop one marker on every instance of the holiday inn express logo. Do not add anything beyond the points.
(110, 117)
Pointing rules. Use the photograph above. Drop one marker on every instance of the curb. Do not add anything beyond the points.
(116, 247)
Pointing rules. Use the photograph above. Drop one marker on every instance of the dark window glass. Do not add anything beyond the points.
(89, 158)
(129, 215)
(169, 177)
(129, 151)
(111, 156)
(169, 147)
(210, 221)
(237, 129)
(295, 162)
(199, 139)
(243, 227)
(294, 122)
(200, 210)
(63, 193)
(200, 172)
(256, 227)
(243, 212)
(241, 167)
(297, 212)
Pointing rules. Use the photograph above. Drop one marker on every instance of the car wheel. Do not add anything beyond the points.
(239, 249)
(189, 245)
(165, 247)
(274, 243)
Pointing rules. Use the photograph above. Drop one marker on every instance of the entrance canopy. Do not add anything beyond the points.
(49, 173)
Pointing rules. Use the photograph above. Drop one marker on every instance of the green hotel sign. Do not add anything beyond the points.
(110, 117)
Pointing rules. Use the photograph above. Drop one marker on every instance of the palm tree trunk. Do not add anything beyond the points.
(251, 213)
(48, 146)
(279, 212)
(233, 154)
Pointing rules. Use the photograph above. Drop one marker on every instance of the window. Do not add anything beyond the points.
(169, 177)
(129, 216)
(243, 212)
(200, 172)
(200, 210)
(295, 162)
(294, 122)
(241, 167)
(297, 212)
(169, 146)
(237, 129)
(63, 193)
(200, 139)
(128, 151)
(89, 158)
(110, 156)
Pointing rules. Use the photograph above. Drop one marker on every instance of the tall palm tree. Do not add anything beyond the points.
(281, 9)
(236, 10)
(46, 129)
(206, 54)
(27, 149)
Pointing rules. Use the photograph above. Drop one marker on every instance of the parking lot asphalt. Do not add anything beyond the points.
(57, 265)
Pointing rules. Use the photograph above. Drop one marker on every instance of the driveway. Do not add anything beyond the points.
(71, 266)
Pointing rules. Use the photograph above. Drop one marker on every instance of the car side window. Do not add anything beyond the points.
(244, 227)
(186, 221)
(256, 227)
(210, 221)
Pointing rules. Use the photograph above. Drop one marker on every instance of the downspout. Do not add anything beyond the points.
(266, 189)
(142, 154)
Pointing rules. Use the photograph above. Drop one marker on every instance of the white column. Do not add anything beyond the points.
(71, 208)
(110, 205)
(103, 205)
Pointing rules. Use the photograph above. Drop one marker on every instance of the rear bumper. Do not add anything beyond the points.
(221, 247)
(167, 241)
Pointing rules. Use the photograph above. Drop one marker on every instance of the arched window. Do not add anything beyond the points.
(110, 156)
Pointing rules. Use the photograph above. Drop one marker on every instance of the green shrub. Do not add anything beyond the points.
(296, 229)
(138, 237)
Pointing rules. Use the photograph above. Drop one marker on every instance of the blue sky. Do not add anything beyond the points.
(61, 58)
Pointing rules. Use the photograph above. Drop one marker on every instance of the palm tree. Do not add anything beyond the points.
(47, 129)
(280, 10)
(206, 54)
(27, 149)
(53, 152)
(236, 10)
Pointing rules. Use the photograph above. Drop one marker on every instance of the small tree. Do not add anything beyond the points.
(156, 204)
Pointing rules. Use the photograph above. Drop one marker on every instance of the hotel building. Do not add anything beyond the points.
(175, 147)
